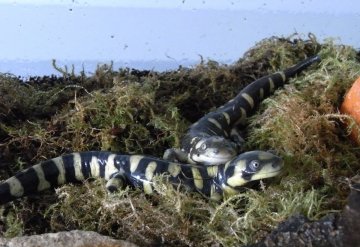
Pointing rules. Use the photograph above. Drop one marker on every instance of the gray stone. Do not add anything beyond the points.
(65, 239)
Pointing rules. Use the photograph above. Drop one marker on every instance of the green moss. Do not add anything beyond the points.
(172, 216)
(302, 122)
(129, 214)
(14, 225)
(131, 112)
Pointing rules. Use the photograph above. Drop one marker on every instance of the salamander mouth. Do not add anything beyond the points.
(269, 173)
(215, 159)
(272, 174)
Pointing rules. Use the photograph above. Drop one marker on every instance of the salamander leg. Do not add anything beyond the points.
(115, 183)
(175, 155)
(236, 137)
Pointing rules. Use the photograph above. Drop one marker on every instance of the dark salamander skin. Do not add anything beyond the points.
(138, 171)
(214, 139)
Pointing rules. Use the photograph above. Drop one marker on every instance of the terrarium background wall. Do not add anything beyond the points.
(160, 35)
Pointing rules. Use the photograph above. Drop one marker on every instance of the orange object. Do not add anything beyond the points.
(351, 106)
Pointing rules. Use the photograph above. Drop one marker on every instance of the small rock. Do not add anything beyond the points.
(65, 239)
(301, 232)
(351, 215)
(337, 230)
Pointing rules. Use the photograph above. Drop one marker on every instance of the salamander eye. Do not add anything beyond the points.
(203, 146)
(254, 165)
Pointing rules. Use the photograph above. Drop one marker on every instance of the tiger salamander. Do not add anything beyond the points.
(138, 171)
(215, 138)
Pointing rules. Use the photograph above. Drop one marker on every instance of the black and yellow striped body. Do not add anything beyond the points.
(214, 139)
(139, 171)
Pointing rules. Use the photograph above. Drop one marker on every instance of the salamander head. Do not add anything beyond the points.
(251, 166)
(213, 150)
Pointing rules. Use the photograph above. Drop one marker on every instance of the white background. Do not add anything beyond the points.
(158, 34)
